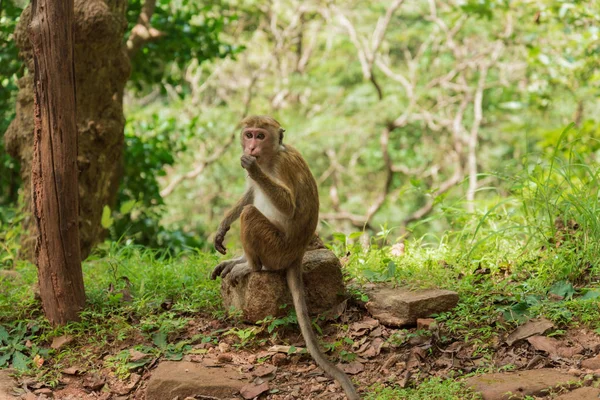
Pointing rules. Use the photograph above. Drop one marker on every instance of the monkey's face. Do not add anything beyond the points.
(259, 142)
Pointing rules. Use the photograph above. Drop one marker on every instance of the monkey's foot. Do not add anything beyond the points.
(224, 268)
(237, 273)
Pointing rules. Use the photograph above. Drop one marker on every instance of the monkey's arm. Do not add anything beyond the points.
(232, 215)
(281, 196)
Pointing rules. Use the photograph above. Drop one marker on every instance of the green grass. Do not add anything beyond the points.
(431, 389)
(134, 296)
(533, 254)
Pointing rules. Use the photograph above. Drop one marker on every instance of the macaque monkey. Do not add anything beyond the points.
(278, 214)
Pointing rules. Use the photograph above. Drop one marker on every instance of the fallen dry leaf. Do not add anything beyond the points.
(336, 311)
(38, 360)
(224, 347)
(554, 347)
(135, 355)
(123, 390)
(392, 360)
(543, 343)
(60, 341)
(251, 391)
(352, 368)
(377, 332)
(94, 382)
(264, 370)
(73, 371)
(530, 328)
(286, 349)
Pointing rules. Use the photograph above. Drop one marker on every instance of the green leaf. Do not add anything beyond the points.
(391, 270)
(174, 356)
(292, 350)
(355, 235)
(20, 361)
(4, 357)
(127, 206)
(106, 220)
(140, 363)
(160, 339)
(3, 335)
(590, 295)
(563, 289)
(339, 237)
(517, 313)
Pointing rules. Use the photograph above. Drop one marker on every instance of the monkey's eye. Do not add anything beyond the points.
(249, 135)
(260, 136)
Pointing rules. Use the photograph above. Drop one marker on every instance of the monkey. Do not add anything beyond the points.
(278, 215)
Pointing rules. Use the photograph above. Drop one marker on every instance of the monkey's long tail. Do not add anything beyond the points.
(296, 285)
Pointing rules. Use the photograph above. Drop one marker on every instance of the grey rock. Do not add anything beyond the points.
(399, 307)
(183, 379)
(517, 385)
(592, 363)
(584, 393)
(262, 294)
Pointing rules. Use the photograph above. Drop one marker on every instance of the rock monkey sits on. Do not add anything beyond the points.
(278, 215)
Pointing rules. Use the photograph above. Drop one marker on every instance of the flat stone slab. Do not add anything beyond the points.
(591, 363)
(584, 393)
(262, 294)
(181, 378)
(517, 385)
(399, 307)
(7, 384)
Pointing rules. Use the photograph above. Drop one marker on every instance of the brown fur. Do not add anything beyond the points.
(278, 215)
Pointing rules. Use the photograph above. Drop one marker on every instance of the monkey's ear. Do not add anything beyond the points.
(281, 130)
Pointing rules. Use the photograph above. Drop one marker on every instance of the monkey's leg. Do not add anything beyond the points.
(264, 244)
(225, 267)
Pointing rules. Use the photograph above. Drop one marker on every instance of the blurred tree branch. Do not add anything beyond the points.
(216, 153)
(460, 89)
(367, 52)
(142, 32)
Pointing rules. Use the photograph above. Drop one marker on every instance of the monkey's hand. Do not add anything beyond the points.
(249, 163)
(219, 238)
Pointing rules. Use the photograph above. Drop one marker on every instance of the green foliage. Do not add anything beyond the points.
(434, 389)
(10, 71)
(10, 231)
(560, 202)
(18, 347)
(151, 140)
(273, 323)
(245, 336)
(132, 293)
(189, 31)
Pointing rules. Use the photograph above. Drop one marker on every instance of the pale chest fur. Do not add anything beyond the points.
(266, 207)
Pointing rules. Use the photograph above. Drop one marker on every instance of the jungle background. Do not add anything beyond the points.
(455, 145)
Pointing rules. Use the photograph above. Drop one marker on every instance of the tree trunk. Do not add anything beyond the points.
(101, 71)
(54, 164)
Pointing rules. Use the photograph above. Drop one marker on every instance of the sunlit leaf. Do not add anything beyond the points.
(106, 220)
(20, 361)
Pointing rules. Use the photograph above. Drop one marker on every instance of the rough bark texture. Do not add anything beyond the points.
(101, 71)
(54, 164)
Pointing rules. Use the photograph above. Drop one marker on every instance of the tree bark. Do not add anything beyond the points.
(101, 71)
(54, 165)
